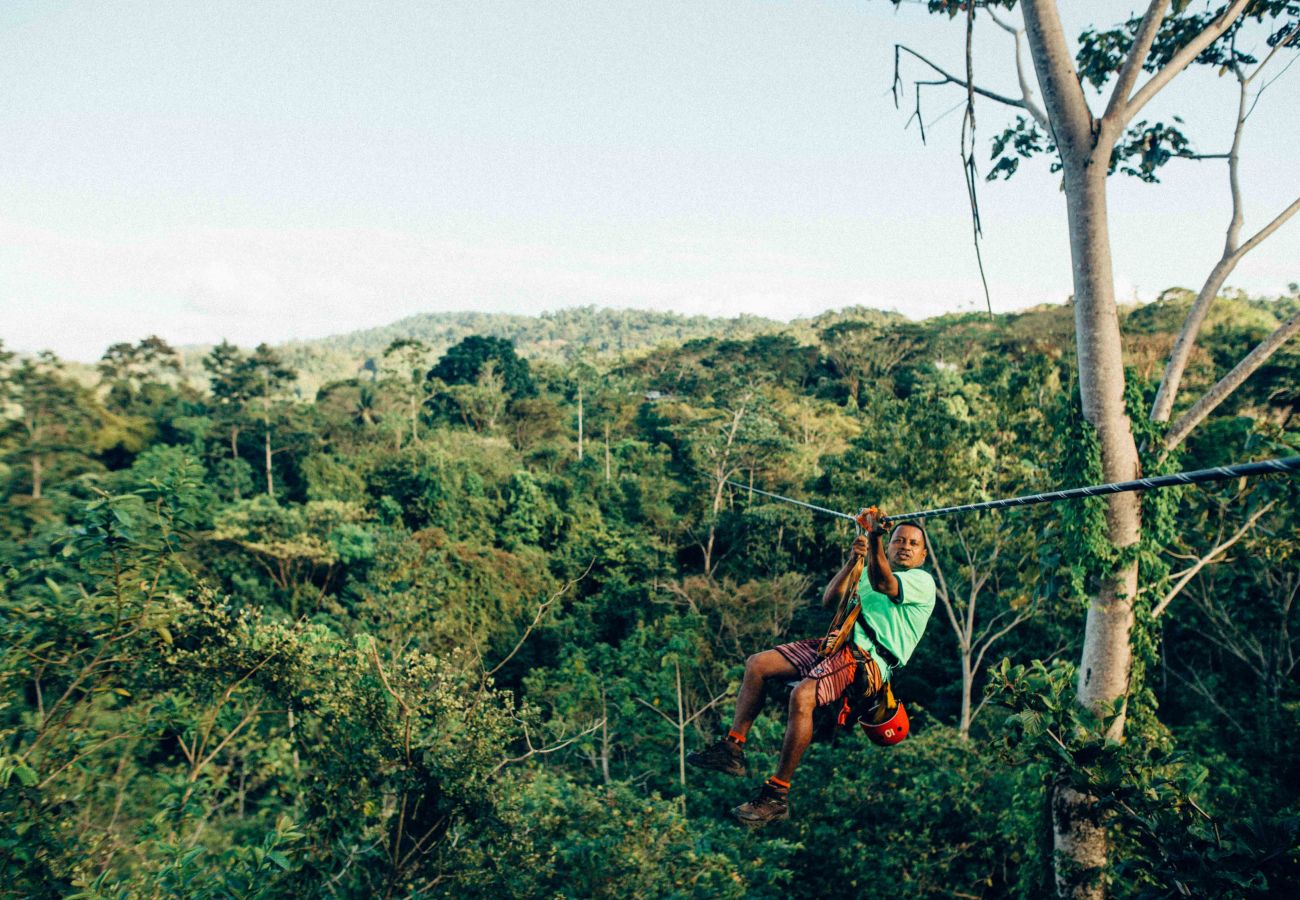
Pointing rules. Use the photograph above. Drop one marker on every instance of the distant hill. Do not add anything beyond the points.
(625, 334)
(549, 335)
(607, 333)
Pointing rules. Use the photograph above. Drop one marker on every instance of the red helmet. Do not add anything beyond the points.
(892, 730)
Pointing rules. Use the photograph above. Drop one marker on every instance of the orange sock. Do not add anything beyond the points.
(777, 782)
(738, 738)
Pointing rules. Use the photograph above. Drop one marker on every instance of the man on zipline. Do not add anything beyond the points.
(896, 604)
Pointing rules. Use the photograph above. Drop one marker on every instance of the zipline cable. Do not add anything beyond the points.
(813, 507)
(1199, 476)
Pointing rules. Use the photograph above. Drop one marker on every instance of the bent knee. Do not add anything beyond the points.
(804, 696)
(764, 663)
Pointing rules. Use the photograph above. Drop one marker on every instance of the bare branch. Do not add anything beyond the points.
(248, 717)
(78, 757)
(1002, 632)
(1232, 638)
(1137, 55)
(541, 611)
(1199, 686)
(1026, 86)
(1269, 58)
(1191, 571)
(648, 705)
(949, 78)
(1230, 382)
(705, 708)
(540, 751)
(1181, 60)
(407, 713)
(1261, 235)
(943, 593)
(1233, 252)
(683, 723)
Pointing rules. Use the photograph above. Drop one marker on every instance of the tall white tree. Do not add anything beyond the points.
(1129, 65)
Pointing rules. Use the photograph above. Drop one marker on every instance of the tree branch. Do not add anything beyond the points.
(684, 722)
(1208, 558)
(944, 595)
(1196, 684)
(949, 78)
(1233, 252)
(1230, 382)
(1063, 97)
(541, 611)
(1278, 221)
(1269, 58)
(1010, 626)
(1181, 60)
(1137, 55)
(540, 751)
(1026, 88)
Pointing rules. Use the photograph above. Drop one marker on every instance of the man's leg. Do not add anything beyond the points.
(798, 728)
(758, 668)
(728, 754)
(772, 802)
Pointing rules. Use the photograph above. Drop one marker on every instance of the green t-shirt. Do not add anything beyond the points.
(900, 622)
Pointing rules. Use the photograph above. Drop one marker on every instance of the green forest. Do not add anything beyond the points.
(445, 620)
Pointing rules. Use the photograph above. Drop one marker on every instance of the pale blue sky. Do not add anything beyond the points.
(276, 170)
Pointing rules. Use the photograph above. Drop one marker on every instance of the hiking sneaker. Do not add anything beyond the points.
(770, 804)
(724, 755)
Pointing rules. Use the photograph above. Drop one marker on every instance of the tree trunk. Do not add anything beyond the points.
(1085, 145)
(1080, 836)
(38, 469)
(681, 735)
(967, 685)
(721, 474)
(270, 487)
(579, 423)
(607, 452)
(604, 738)
(1103, 675)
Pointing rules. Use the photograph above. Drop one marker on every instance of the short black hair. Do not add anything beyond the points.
(915, 523)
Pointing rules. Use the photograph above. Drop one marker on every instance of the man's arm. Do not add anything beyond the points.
(879, 574)
(842, 583)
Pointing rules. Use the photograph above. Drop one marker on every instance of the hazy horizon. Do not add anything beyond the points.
(278, 173)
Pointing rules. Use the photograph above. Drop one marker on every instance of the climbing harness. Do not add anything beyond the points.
(882, 717)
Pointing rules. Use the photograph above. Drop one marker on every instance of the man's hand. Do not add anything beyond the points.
(872, 520)
(860, 547)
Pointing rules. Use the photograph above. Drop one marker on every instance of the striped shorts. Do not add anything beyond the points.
(835, 674)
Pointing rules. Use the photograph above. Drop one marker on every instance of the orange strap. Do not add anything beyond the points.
(842, 621)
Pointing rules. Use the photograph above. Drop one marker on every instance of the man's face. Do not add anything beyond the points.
(906, 547)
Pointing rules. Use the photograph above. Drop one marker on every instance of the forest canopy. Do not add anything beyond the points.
(445, 623)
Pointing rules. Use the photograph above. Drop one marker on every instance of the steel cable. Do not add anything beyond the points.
(1199, 476)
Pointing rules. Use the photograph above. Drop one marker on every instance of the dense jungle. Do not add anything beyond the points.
(422, 616)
